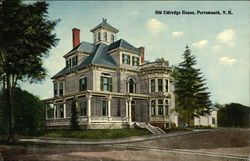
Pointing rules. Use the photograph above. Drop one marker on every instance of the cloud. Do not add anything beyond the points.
(200, 44)
(177, 33)
(226, 37)
(227, 60)
(216, 47)
(155, 26)
(134, 13)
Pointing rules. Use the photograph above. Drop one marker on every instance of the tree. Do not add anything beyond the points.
(25, 40)
(74, 117)
(233, 115)
(29, 113)
(162, 60)
(192, 98)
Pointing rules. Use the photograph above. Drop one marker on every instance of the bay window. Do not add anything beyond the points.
(152, 85)
(152, 107)
(160, 85)
(160, 107)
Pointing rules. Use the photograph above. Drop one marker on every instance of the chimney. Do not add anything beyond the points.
(142, 49)
(76, 37)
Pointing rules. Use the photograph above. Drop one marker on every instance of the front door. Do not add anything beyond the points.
(133, 111)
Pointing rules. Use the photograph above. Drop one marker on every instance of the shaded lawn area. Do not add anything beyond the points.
(97, 133)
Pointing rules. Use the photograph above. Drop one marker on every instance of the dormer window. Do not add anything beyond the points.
(112, 38)
(126, 59)
(71, 62)
(135, 61)
(99, 36)
(105, 36)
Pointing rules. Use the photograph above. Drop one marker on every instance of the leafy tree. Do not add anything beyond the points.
(74, 117)
(25, 40)
(162, 60)
(192, 98)
(29, 113)
(233, 115)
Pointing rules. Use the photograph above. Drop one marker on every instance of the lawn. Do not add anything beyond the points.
(97, 133)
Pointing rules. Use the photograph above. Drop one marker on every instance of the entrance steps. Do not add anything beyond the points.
(154, 130)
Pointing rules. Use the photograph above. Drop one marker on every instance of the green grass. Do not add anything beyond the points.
(97, 133)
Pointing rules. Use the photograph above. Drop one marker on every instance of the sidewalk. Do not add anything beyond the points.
(71, 141)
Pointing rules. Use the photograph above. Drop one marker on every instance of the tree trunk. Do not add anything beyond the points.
(9, 105)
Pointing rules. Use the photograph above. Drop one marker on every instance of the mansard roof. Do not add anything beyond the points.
(98, 56)
(104, 24)
(123, 44)
(84, 46)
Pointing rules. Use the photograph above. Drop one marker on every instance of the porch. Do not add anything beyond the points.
(98, 109)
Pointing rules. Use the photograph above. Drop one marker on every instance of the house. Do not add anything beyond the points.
(111, 85)
(207, 119)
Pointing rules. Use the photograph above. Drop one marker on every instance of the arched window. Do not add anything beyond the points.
(99, 36)
(112, 38)
(131, 86)
(105, 36)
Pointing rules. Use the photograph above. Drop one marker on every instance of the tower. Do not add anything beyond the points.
(104, 33)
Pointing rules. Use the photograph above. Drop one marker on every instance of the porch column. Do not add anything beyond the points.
(126, 110)
(149, 111)
(129, 109)
(64, 109)
(109, 107)
(164, 107)
(54, 107)
(89, 96)
(46, 113)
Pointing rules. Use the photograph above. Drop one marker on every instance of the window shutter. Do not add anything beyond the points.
(110, 84)
(80, 84)
(86, 85)
(101, 85)
(129, 59)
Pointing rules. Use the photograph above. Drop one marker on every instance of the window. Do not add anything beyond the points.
(152, 85)
(166, 107)
(160, 107)
(125, 59)
(104, 108)
(83, 84)
(213, 120)
(105, 36)
(55, 89)
(99, 36)
(153, 107)
(106, 84)
(160, 86)
(131, 86)
(60, 88)
(135, 61)
(67, 64)
(72, 62)
(61, 110)
(112, 38)
(166, 85)
(83, 108)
